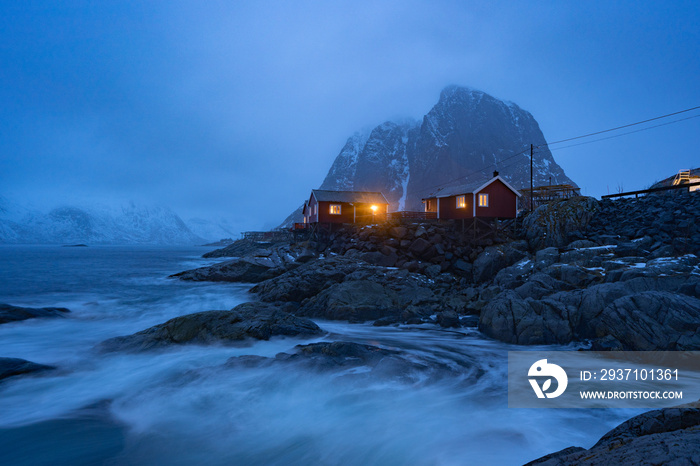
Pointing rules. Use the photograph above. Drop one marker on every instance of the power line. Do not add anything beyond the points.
(625, 134)
(473, 172)
(500, 162)
(624, 126)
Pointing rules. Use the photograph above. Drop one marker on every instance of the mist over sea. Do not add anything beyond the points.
(184, 406)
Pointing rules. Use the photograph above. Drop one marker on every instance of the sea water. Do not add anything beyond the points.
(184, 406)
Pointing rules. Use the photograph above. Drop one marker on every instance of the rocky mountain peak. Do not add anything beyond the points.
(465, 137)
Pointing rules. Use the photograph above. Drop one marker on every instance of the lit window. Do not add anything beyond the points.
(335, 209)
(483, 200)
(461, 202)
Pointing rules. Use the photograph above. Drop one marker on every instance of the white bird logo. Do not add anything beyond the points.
(542, 369)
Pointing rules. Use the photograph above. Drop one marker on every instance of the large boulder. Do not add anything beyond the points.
(643, 313)
(652, 320)
(354, 300)
(306, 281)
(493, 259)
(10, 313)
(512, 319)
(10, 367)
(255, 320)
(237, 270)
(552, 223)
(663, 436)
(375, 362)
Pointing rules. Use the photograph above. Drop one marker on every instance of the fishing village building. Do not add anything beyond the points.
(326, 206)
(491, 199)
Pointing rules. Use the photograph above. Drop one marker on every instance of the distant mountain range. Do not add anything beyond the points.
(465, 137)
(129, 224)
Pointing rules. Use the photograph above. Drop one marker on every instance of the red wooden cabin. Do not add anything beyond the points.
(345, 207)
(492, 199)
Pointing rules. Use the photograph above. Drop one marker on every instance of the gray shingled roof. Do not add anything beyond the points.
(367, 197)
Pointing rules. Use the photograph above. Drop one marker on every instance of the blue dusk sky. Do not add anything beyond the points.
(237, 109)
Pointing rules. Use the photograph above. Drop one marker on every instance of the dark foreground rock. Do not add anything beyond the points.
(9, 313)
(249, 320)
(640, 314)
(14, 366)
(239, 248)
(668, 436)
(246, 271)
(347, 357)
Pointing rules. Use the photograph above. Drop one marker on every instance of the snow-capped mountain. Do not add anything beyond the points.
(128, 224)
(465, 137)
(213, 230)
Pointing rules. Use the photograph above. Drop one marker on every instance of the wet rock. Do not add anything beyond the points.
(512, 319)
(642, 313)
(377, 362)
(432, 271)
(663, 436)
(540, 285)
(652, 320)
(419, 246)
(306, 281)
(448, 319)
(256, 320)
(546, 257)
(237, 270)
(573, 275)
(10, 313)
(550, 224)
(493, 259)
(384, 321)
(356, 300)
(10, 367)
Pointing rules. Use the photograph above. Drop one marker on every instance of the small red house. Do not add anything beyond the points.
(492, 199)
(345, 207)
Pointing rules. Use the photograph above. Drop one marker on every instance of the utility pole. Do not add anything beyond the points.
(532, 201)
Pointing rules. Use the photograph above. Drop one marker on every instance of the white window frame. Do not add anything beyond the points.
(463, 198)
(484, 198)
(330, 209)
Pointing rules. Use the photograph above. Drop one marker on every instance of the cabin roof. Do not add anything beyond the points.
(367, 197)
(468, 188)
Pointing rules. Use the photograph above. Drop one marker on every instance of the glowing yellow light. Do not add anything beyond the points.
(374, 208)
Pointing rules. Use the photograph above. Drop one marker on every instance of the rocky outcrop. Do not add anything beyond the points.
(259, 321)
(258, 265)
(306, 280)
(239, 248)
(553, 224)
(237, 270)
(10, 313)
(341, 288)
(655, 225)
(664, 436)
(357, 361)
(641, 310)
(10, 367)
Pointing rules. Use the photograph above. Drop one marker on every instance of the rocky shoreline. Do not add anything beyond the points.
(617, 275)
(621, 275)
